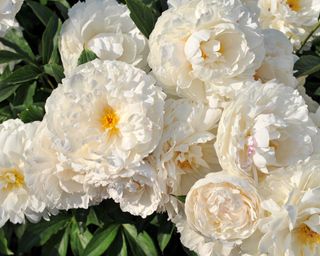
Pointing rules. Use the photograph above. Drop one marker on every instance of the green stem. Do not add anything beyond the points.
(308, 37)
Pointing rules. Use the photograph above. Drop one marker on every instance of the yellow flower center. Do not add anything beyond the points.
(294, 5)
(184, 165)
(110, 120)
(11, 179)
(308, 236)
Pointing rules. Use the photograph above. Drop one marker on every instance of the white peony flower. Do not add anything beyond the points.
(185, 152)
(137, 189)
(295, 18)
(279, 60)
(203, 46)
(291, 226)
(266, 127)
(105, 27)
(107, 115)
(16, 200)
(55, 179)
(221, 210)
(8, 11)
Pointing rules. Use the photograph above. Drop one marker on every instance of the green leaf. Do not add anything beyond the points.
(4, 244)
(164, 234)
(143, 16)
(79, 240)
(54, 70)
(119, 246)
(63, 244)
(42, 12)
(92, 219)
(19, 45)
(307, 65)
(47, 41)
(101, 240)
(189, 252)
(86, 56)
(140, 244)
(24, 94)
(5, 114)
(7, 90)
(32, 113)
(7, 56)
(38, 234)
(24, 74)
(182, 199)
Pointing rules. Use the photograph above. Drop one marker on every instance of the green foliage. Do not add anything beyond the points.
(99, 230)
(86, 56)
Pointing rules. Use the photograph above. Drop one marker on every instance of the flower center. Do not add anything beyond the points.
(294, 5)
(11, 179)
(110, 120)
(308, 236)
(184, 165)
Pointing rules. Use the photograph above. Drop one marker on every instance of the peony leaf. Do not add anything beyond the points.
(7, 56)
(4, 244)
(101, 240)
(164, 234)
(119, 246)
(79, 240)
(15, 41)
(48, 38)
(140, 244)
(54, 70)
(38, 234)
(307, 65)
(144, 16)
(86, 56)
(32, 113)
(42, 12)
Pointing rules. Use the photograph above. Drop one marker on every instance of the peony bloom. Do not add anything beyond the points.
(137, 189)
(107, 115)
(55, 179)
(104, 27)
(185, 152)
(16, 200)
(203, 46)
(291, 225)
(295, 18)
(8, 11)
(279, 60)
(266, 127)
(220, 211)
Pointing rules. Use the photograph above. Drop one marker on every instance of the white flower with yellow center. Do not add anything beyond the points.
(107, 116)
(8, 11)
(185, 152)
(137, 189)
(64, 184)
(205, 45)
(295, 18)
(16, 200)
(279, 60)
(292, 197)
(104, 27)
(220, 211)
(265, 127)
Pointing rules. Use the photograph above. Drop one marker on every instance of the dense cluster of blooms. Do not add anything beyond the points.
(207, 108)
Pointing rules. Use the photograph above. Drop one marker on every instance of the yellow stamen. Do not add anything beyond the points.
(110, 120)
(294, 5)
(11, 179)
(307, 236)
(184, 165)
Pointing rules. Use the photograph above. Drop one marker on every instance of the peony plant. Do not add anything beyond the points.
(153, 127)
